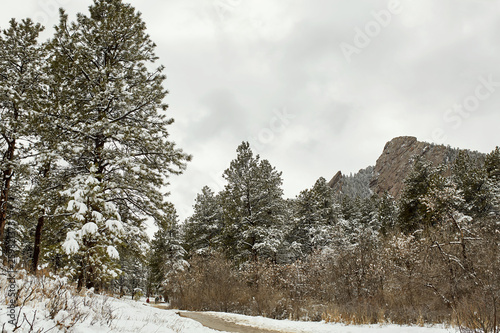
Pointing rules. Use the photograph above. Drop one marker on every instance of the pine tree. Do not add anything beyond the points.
(108, 110)
(359, 219)
(412, 212)
(96, 232)
(42, 207)
(201, 232)
(442, 200)
(21, 58)
(492, 168)
(358, 185)
(133, 254)
(166, 256)
(315, 216)
(253, 207)
(387, 212)
(471, 181)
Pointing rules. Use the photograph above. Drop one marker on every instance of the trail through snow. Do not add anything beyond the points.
(228, 322)
(220, 324)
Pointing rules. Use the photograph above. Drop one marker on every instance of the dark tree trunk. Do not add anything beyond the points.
(4, 195)
(38, 239)
(39, 227)
(80, 282)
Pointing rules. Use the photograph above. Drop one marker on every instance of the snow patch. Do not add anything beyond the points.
(63, 317)
(89, 228)
(112, 252)
(71, 245)
(97, 216)
(114, 225)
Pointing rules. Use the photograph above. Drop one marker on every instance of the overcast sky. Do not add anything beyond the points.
(315, 86)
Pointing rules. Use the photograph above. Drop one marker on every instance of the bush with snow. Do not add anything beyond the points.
(51, 304)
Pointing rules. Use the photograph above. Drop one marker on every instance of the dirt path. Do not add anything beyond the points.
(219, 324)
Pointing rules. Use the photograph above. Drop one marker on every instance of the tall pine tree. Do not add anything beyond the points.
(253, 207)
(109, 114)
(21, 58)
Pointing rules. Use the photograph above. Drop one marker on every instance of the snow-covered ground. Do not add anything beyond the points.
(129, 316)
(132, 316)
(52, 305)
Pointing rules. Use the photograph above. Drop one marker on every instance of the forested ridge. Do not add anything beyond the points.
(86, 156)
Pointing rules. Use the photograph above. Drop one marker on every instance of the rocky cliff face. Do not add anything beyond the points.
(395, 163)
(336, 182)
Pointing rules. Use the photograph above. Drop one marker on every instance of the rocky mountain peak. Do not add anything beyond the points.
(395, 163)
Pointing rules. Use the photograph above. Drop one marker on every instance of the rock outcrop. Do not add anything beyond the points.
(336, 182)
(395, 163)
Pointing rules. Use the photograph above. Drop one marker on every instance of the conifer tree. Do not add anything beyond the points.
(315, 216)
(109, 114)
(21, 58)
(492, 168)
(133, 253)
(387, 212)
(201, 231)
(43, 206)
(96, 232)
(471, 180)
(442, 200)
(166, 255)
(253, 207)
(359, 219)
(412, 213)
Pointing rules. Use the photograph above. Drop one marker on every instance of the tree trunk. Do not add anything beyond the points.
(81, 275)
(38, 239)
(39, 227)
(80, 281)
(4, 195)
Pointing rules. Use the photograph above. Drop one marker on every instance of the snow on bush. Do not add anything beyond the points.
(50, 304)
